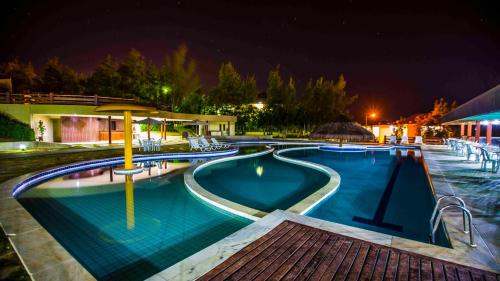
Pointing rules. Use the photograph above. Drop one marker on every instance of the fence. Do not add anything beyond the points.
(51, 98)
(412, 140)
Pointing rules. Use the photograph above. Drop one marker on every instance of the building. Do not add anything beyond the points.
(73, 119)
(478, 118)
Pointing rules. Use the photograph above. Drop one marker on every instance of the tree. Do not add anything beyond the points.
(325, 100)
(23, 75)
(227, 89)
(178, 74)
(133, 77)
(433, 118)
(105, 80)
(60, 78)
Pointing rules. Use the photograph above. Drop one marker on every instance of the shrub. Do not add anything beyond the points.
(13, 129)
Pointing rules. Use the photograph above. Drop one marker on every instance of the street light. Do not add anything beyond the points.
(372, 115)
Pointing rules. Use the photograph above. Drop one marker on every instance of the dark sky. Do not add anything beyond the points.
(397, 56)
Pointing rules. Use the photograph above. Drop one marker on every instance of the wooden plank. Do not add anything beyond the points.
(325, 263)
(369, 265)
(438, 271)
(463, 274)
(290, 262)
(414, 269)
(346, 265)
(318, 258)
(450, 272)
(380, 265)
(266, 258)
(392, 266)
(255, 248)
(297, 269)
(404, 267)
(337, 261)
(425, 270)
(358, 263)
(267, 269)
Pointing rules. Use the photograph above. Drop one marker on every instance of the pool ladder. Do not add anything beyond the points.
(437, 215)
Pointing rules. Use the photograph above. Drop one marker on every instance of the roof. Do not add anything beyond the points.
(293, 251)
(483, 107)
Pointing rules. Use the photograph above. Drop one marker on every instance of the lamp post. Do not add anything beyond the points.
(372, 115)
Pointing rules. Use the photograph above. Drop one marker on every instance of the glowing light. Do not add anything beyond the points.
(22, 146)
(259, 105)
(373, 115)
(166, 89)
(495, 122)
(485, 122)
(259, 171)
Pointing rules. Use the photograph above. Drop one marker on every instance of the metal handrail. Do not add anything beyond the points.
(434, 212)
(440, 215)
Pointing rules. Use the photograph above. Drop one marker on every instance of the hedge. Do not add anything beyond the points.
(13, 129)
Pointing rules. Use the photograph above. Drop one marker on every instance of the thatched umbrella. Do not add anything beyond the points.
(148, 121)
(341, 130)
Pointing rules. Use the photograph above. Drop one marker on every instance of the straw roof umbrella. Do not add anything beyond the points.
(148, 121)
(342, 130)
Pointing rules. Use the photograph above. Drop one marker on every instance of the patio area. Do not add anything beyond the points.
(452, 174)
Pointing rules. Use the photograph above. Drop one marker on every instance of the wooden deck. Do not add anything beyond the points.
(292, 251)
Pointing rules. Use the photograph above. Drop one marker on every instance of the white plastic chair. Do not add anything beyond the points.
(205, 143)
(221, 145)
(404, 140)
(392, 140)
(418, 140)
(195, 145)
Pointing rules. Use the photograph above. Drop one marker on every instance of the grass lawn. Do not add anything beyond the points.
(11, 268)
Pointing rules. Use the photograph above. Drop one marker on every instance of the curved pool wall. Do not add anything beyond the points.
(381, 190)
(234, 183)
(49, 174)
(169, 224)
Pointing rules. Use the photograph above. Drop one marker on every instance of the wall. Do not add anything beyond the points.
(79, 129)
(48, 135)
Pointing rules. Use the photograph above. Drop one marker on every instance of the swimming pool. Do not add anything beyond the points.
(262, 182)
(383, 191)
(128, 230)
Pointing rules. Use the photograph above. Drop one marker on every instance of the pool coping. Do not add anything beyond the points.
(43, 257)
(300, 207)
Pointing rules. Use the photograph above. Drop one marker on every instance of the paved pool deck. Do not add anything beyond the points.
(452, 174)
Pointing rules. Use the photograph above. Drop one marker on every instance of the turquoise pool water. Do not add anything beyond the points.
(379, 191)
(120, 235)
(261, 182)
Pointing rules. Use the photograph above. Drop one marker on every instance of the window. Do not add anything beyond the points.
(113, 125)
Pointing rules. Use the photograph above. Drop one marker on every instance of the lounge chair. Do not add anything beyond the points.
(195, 145)
(404, 140)
(392, 140)
(418, 140)
(205, 143)
(487, 158)
(221, 145)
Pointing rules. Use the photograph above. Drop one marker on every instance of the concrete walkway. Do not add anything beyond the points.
(479, 189)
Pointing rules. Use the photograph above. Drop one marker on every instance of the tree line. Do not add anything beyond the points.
(175, 85)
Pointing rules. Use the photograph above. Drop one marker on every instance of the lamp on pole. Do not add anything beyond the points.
(372, 115)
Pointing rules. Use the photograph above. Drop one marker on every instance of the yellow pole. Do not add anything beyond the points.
(127, 116)
(129, 198)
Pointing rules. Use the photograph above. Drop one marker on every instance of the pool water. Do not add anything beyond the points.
(378, 191)
(121, 231)
(262, 182)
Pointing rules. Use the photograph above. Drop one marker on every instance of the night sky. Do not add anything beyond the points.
(395, 56)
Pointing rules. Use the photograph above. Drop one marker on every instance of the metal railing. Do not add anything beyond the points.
(51, 98)
(466, 217)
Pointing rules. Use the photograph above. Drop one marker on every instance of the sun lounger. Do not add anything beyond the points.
(221, 145)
